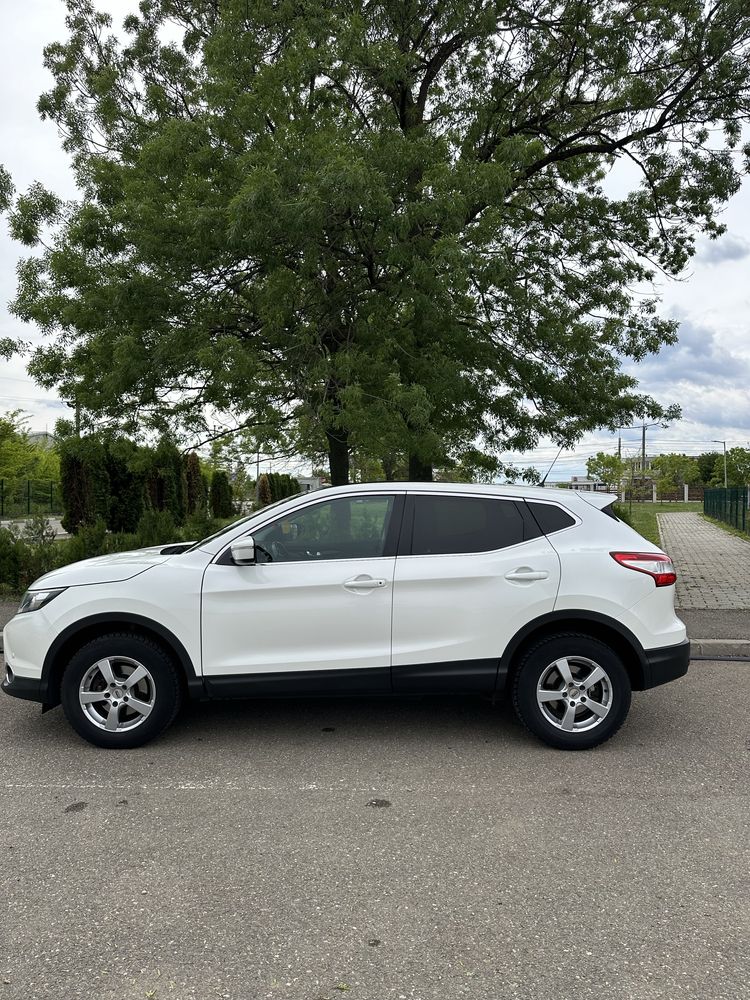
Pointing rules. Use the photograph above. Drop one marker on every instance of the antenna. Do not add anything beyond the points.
(551, 466)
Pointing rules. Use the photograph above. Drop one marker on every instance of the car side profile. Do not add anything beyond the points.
(376, 589)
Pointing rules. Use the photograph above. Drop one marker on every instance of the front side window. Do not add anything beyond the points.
(451, 525)
(345, 528)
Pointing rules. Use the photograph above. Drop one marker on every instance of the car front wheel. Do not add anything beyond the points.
(572, 691)
(120, 691)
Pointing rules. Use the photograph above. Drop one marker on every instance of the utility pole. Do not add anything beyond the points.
(643, 451)
(716, 441)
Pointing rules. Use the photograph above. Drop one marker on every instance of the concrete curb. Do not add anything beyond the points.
(720, 649)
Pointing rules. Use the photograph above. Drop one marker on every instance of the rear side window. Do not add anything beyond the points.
(451, 525)
(550, 518)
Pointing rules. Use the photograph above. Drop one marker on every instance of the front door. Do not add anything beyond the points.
(314, 612)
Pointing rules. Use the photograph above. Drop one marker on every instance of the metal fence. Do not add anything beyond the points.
(729, 506)
(26, 497)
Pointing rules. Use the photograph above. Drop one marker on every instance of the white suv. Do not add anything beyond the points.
(373, 589)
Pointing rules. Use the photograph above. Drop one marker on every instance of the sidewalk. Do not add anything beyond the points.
(713, 583)
(713, 566)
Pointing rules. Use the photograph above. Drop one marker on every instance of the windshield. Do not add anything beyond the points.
(242, 520)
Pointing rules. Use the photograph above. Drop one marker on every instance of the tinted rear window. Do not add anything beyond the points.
(449, 525)
(550, 517)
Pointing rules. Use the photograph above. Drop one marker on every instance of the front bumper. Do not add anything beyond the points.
(28, 688)
(666, 664)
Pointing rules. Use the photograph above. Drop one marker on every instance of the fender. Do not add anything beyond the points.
(48, 683)
(638, 665)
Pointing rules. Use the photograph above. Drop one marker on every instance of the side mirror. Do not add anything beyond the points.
(243, 551)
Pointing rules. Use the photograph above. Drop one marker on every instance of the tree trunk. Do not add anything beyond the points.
(338, 457)
(419, 471)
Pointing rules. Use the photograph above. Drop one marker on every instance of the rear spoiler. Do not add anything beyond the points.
(598, 500)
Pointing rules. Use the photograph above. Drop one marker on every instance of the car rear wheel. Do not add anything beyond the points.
(120, 691)
(572, 691)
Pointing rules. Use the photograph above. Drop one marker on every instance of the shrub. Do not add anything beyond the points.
(221, 495)
(165, 480)
(125, 486)
(9, 560)
(84, 481)
(156, 527)
(194, 494)
(90, 541)
(264, 490)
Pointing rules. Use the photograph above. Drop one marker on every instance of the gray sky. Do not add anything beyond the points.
(708, 372)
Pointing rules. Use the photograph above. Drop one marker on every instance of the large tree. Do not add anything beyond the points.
(378, 225)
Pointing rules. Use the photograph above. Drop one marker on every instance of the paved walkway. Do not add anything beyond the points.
(713, 566)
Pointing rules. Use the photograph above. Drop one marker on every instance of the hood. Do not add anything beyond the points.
(104, 569)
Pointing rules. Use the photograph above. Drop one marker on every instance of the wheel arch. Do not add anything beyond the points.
(86, 629)
(591, 623)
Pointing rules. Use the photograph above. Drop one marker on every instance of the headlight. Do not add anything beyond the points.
(33, 600)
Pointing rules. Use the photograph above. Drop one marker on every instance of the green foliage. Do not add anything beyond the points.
(194, 495)
(165, 478)
(157, 527)
(281, 485)
(89, 541)
(84, 482)
(707, 464)
(10, 560)
(673, 471)
(221, 494)
(125, 486)
(607, 469)
(738, 468)
(21, 458)
(38, 531)
(264, 490)
(24, 558)
(378, 227)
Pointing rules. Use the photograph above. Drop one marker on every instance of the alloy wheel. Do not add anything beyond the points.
(574, 694)
(117, 694)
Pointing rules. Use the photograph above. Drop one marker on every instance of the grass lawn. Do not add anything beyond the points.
(728, 527)
(642, 516)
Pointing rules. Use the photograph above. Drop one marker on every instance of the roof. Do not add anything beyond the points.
(490, 489)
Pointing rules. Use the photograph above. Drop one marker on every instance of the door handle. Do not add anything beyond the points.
(363, 583)
(525, 575)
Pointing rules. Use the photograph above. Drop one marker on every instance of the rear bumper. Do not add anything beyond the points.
(666, 664)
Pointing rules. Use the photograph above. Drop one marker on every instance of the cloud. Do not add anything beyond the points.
(702, 357)
(725, 248)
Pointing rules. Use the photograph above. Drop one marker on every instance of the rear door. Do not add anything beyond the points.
(471, 570)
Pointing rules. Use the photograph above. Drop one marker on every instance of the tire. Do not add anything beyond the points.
(592, 704)
(105, 706)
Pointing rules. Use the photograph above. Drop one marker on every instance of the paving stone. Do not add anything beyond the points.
(713, 566)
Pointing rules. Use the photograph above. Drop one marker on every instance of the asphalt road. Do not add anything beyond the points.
(381, 850)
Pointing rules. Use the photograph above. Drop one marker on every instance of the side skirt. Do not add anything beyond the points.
(300, 683)
(462, 676)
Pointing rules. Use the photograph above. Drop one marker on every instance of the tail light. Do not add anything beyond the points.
(657, 565)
